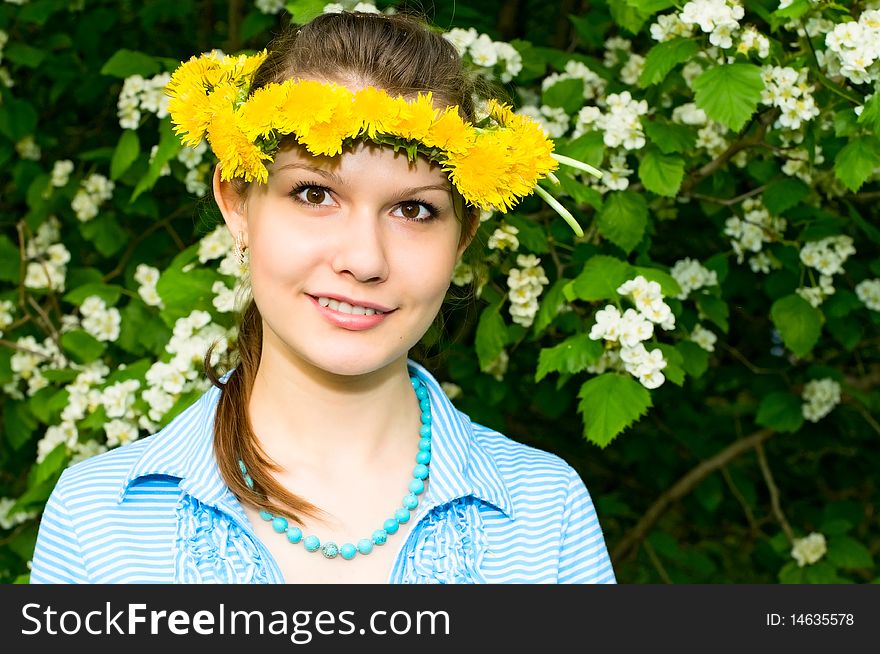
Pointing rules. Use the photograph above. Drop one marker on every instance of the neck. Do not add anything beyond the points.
(306, 416)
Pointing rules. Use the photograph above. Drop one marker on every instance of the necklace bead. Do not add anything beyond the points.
(401, 516)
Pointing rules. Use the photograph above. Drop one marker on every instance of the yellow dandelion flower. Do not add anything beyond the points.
(193, 111)
(450, 133)
(307, 103)
(238, 156)
(200, 73)
(501, 113)
(259, 115)
(415, 119)
(327, 137)
(478, 174)
(376, 109)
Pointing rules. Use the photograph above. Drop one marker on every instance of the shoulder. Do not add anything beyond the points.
(521, 463)
(101, 478)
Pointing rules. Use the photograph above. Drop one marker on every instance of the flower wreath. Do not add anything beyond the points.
(493, 163)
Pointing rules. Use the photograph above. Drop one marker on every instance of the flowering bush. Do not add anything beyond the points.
(705, 354)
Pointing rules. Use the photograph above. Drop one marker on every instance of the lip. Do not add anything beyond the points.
(349, 321)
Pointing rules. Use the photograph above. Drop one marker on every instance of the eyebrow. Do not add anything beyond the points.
(319, 171)
(404, 193)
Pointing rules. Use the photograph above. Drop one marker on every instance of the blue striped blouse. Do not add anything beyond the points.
(158, 511)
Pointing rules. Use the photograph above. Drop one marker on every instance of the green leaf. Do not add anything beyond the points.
(665, 56)
(39, 11)
(695, 360)
(623, 219)
(105, 232)
(531, 236)
(10, 261)
(783, 194)
(856, 161)
(793, 11)
(107, 292)
(567, 94)
(571, 356)
(169, 146)
(674, 370)
(668, 286)
(798, 322)
(549, 307)
(581, 193)
(848, 553)
(491, 335)
(599, 279)
(729, 93)
(792, 574)
(125, 63)
(127, 150)
(18, 423)
(629, 18)
(18, 118)
(302, 11)
(870, 231)
(714, 309)
(589, 148)
(24, 55)
(82, 345)
(710, 493)
(609, 404)
(670, 137)
(780, 411)
(50, 467)
(845, 331)
(185, 291)
(870, 116)
(841, 304)
(661, 173)
(821, 573)
(141, 330)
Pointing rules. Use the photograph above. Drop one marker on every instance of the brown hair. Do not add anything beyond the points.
(400, 54)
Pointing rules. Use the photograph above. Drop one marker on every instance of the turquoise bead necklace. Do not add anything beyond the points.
(401, 516)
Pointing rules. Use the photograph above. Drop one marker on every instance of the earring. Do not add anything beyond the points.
(240, 249)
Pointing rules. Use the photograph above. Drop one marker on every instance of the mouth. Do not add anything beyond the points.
(350, 307)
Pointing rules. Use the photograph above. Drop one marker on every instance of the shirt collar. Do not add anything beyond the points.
(460, 466)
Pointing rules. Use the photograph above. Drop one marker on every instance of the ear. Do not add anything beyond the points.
(232, 205)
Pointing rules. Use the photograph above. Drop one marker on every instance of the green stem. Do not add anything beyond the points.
(574, 163)
(562, 211)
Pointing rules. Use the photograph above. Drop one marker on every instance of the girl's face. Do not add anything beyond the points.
(368, 228)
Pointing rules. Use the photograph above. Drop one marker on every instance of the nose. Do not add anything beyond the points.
(361, 247)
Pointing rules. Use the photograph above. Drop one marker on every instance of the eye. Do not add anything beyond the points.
(416, 211)
(313, 195)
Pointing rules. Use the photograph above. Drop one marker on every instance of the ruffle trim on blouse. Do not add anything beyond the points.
(448, 547)
(211, 548)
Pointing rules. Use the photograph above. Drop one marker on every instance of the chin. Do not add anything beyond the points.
(355, 363)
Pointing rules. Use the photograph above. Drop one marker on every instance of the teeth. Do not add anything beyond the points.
(345, 307)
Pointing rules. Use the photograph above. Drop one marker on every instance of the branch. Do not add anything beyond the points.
(132, 246)
(774, 493)
(724, 157)
(682, 487)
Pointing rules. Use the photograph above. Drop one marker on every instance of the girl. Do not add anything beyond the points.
(351, 175)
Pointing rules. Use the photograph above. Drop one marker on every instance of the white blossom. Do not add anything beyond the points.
(504, 238)
(809, 549)
(691, 275)
(704, 338)
(868, 291)
(8, 521)
(820, 397)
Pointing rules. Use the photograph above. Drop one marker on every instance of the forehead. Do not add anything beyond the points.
(363, 160)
